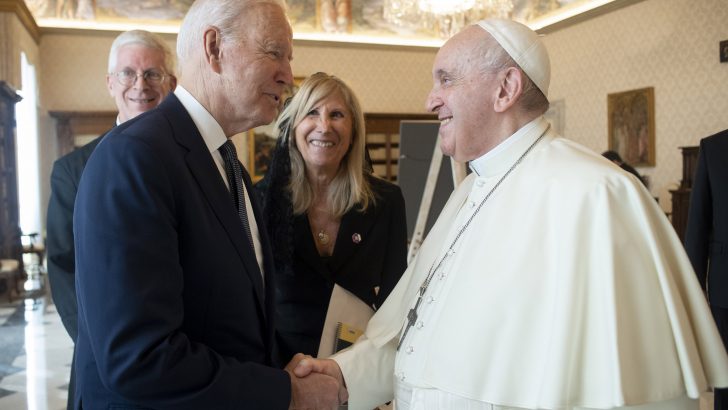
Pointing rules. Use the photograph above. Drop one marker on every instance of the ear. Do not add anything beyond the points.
(213, 53)
(172, 83)
(110, 84)
(509, 90)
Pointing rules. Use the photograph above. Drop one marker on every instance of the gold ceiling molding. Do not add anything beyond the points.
(569, 12)
(19, 8)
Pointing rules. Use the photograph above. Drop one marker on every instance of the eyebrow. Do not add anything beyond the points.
(155, 68)
(441, 72)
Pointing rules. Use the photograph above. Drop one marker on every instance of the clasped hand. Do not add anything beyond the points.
(315, 383)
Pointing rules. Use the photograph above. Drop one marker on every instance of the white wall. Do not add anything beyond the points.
(671, 45)
(386, 79)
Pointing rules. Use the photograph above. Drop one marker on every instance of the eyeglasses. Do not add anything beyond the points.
(128, 77)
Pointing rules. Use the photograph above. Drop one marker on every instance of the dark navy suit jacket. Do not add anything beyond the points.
(173, 309)
(706, 237)
(59, 241)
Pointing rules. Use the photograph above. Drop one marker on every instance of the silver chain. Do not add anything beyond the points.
(433, 268)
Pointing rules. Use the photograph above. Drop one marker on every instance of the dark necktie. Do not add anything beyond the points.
(234, 172)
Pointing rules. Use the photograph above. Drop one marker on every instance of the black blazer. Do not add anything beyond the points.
(377, 257)
(173, 312)
(706, 237)
(59, 230)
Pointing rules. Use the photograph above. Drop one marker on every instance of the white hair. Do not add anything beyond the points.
(222, 14)
(143, 38)
(493, 57)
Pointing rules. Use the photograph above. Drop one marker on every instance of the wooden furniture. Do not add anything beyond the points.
(33, 247)
(681, 196)
(383, 140)
(11, 259)
(10, 274)
(70, 125)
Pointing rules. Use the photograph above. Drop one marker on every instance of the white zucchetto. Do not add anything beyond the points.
(524, 46)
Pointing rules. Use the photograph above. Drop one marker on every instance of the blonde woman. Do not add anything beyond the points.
(330, 220)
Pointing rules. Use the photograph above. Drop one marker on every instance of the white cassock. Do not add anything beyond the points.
(568, 290)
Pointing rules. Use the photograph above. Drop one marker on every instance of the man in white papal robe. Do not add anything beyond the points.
(551, 280)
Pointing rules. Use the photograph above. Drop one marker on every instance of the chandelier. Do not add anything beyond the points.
(443, 17)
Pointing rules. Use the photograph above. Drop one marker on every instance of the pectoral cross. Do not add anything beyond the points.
(412, 316)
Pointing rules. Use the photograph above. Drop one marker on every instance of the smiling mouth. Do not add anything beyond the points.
(445, 121)
(141, 100)
(321, 144)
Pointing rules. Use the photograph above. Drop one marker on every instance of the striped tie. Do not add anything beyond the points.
(234, 172)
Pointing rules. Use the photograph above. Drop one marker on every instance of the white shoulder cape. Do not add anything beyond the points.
(572, 290)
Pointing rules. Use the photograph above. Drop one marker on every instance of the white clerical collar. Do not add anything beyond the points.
(479, 166)
(211, 131)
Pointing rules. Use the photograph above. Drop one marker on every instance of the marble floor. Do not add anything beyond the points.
(36, 351)
(35, 355)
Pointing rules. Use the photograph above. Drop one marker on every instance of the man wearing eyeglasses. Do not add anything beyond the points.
(140, 77)
(140, 73)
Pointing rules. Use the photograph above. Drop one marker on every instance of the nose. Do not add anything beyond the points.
(139, 81)
(433, 102)
(286, 74)
(323, 123)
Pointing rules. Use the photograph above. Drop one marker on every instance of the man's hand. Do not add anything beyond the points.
(311, 389)
(305, 365)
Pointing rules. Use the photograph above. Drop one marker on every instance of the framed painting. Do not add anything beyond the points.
(262, 140)
(631, 118)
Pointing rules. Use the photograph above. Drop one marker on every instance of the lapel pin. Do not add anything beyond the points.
(356, 238)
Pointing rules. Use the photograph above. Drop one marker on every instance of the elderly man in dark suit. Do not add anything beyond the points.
(706, 238)
(174, 272)
(140, 76)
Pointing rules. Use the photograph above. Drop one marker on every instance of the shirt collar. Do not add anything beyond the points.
(480, 165)
(211, 131)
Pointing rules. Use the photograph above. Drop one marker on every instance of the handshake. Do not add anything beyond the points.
(315, 383)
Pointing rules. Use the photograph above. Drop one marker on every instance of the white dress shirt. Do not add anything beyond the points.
(214, 138)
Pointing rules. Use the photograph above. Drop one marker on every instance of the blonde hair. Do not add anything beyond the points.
(349, 187)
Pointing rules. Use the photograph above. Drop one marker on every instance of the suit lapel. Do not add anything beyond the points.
(353, 231)
(202, 167)
(264, 244)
